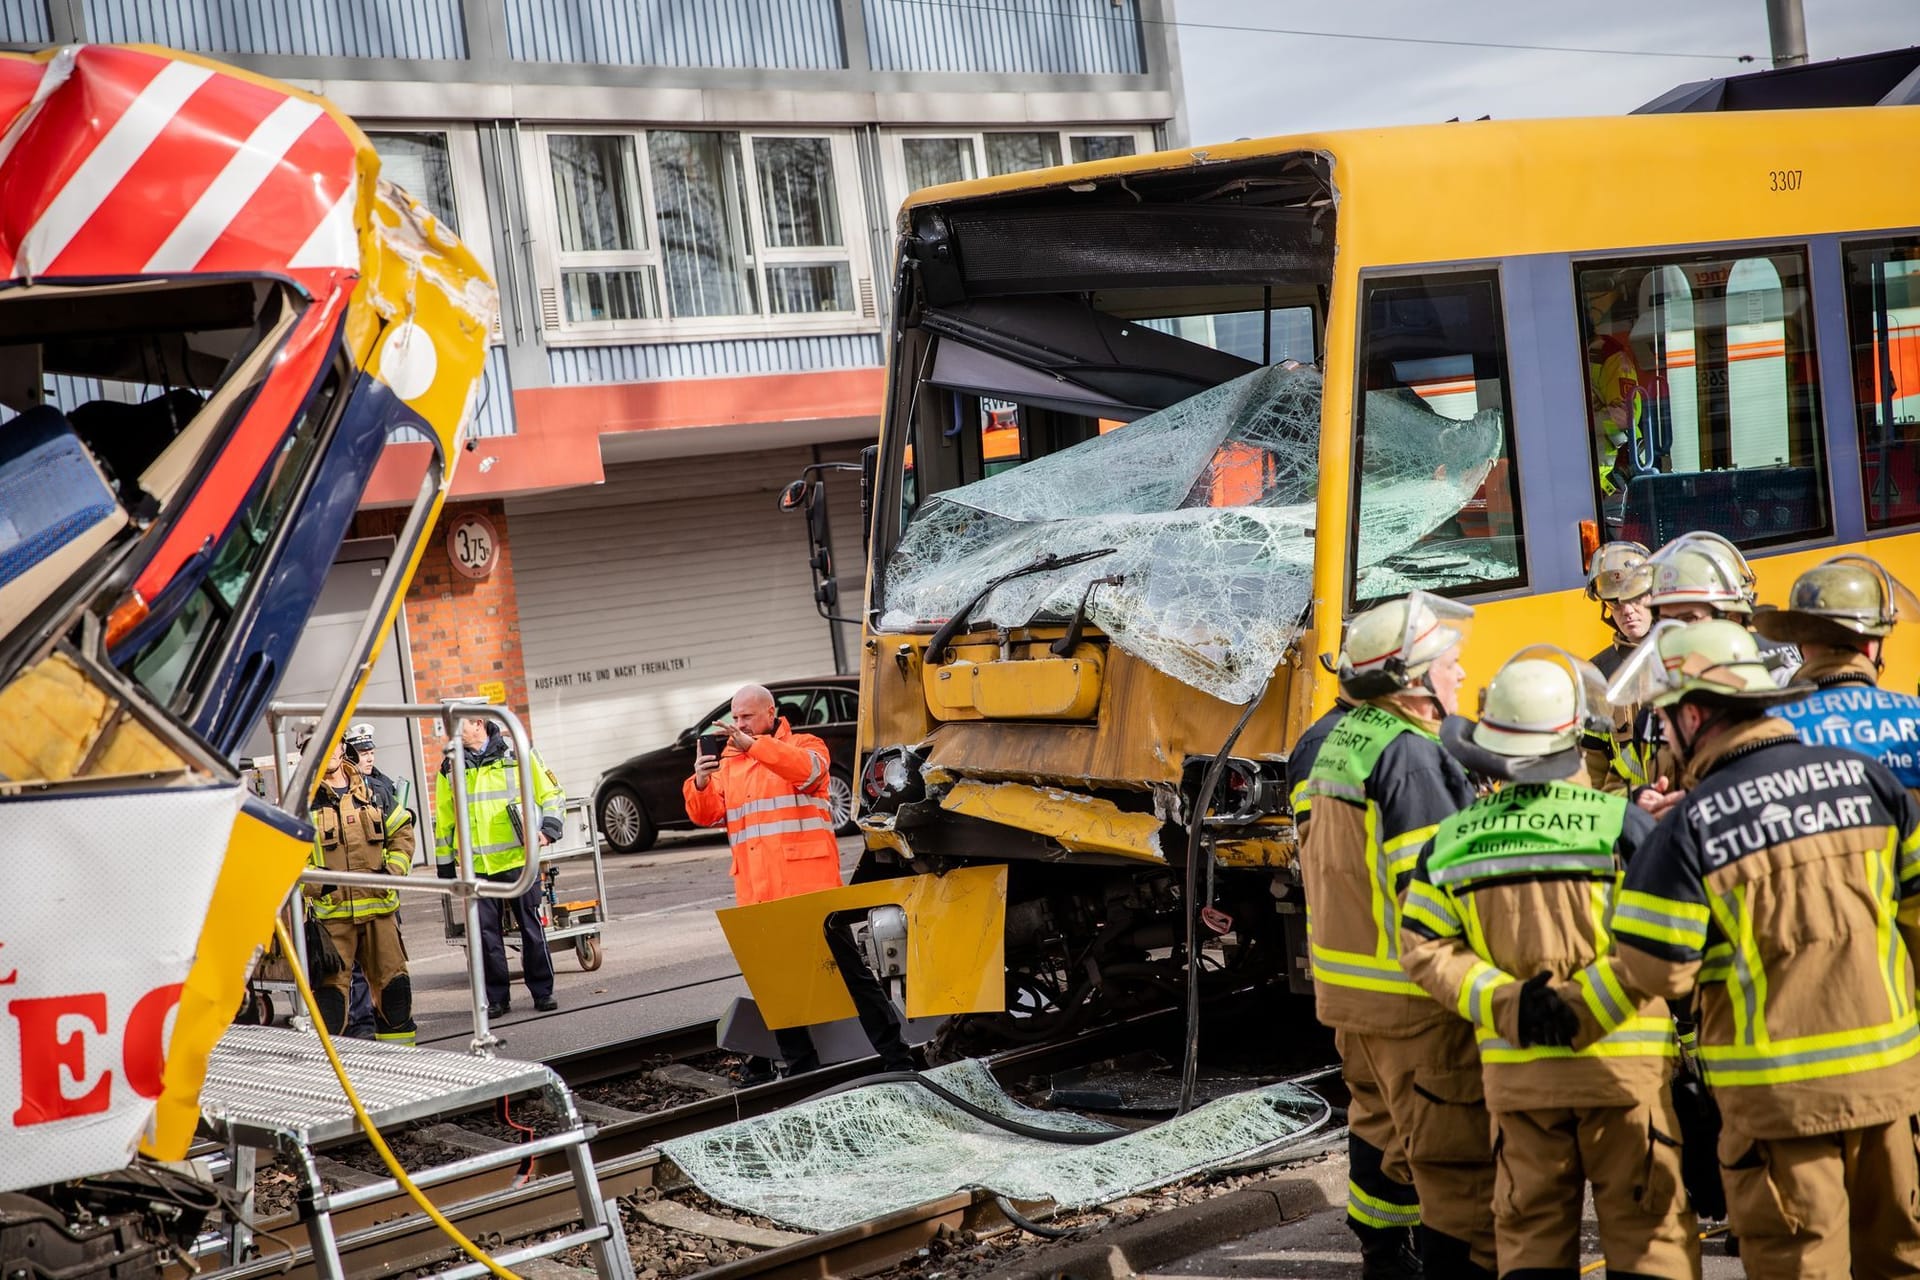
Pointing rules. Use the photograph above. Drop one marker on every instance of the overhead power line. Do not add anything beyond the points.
(1325, 35)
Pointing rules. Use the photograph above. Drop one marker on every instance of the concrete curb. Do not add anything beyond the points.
(1140, 1246)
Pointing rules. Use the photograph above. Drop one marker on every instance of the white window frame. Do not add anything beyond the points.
(550, 263)
(893, 156)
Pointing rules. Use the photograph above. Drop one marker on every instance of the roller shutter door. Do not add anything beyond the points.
(647, 600)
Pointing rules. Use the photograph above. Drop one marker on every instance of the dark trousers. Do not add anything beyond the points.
(536, 966)
(359, 1007)
(870, 1002)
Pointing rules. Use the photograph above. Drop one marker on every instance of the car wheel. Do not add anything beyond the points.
(840, 800)
(623, 822)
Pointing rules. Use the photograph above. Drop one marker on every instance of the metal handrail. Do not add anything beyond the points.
(466, 884)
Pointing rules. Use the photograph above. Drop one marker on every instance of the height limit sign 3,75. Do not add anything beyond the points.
(473, 546)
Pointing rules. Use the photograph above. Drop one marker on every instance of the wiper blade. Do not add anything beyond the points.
(937, 647)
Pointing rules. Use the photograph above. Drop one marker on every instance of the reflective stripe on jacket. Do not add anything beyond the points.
(351, 834)
(1379, 787)
(1786, 888)
(493, 785)
(1305, 750)
(1519, 882)
(773, 800)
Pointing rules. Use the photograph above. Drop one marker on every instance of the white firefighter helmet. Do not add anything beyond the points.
(1619, 572)
(1390, 646)
(1532, 717)
(1840, 602)
(1713, 661)
(1702, 568)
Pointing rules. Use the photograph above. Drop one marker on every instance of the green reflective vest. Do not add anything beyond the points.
(1528, 831)
(1346, 762)
(493, 789)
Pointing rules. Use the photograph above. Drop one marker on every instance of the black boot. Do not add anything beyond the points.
(1444, 1258)
(1387, 1253)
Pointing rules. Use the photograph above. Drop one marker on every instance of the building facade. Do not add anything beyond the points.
(687, 206)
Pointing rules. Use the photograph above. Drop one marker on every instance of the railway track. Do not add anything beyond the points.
(383, 1237)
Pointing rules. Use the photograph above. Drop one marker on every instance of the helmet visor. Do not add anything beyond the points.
(1434, 625)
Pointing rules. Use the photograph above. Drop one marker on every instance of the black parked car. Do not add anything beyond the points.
(639, 798)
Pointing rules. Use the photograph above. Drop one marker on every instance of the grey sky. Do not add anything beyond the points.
(1243, 83)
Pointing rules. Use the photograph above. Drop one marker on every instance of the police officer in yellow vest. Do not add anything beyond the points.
(1514, 893)
(1379, 787)
(1785, 889)
(499, 853)
(353, 833)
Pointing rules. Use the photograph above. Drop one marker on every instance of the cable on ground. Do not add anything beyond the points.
(1014, 1216)
(414, 1193)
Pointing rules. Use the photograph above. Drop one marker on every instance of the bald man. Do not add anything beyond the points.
(769, 788)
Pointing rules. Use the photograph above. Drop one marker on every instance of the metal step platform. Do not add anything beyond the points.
(272, 1089)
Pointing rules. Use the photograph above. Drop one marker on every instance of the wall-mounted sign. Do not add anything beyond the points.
(494, 691)
(473, 546)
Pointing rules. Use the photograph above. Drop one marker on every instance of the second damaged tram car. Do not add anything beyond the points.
(1156, 426)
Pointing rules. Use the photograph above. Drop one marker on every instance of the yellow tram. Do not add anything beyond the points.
(1156, 426)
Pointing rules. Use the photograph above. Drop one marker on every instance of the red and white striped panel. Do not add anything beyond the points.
(122, 162)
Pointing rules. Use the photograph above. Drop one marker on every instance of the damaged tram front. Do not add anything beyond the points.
(1094, 548)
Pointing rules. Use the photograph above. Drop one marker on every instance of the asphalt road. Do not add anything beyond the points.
(664, 963)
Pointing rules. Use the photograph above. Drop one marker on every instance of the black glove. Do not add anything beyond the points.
(1699, 1145)
(550, 828)
(323, 958)
(1545, 1018)
(449, 870)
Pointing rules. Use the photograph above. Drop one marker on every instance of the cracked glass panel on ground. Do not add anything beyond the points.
(1208, 506)
(855, 1156)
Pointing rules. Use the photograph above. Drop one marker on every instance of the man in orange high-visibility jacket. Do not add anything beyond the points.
(769, 787)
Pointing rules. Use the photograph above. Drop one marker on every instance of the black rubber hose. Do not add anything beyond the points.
(1025, 1223)
(1068, 1137)
(1190, 1059)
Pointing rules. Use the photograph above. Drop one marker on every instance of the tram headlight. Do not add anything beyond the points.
(892, 778)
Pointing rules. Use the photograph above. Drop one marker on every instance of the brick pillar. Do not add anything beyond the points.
(464, 631)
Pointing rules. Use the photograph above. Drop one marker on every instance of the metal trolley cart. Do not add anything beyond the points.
(570, 921)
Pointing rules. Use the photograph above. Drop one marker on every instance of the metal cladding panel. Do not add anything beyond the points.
(291, 28)
(493, 412)
(802, 34)
(25, 22)
(660, 362)
(647, 600)
(1057, 37)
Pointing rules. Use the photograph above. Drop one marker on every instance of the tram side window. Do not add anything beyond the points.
(1703, 397)
(1883, 320)
(1438, 495)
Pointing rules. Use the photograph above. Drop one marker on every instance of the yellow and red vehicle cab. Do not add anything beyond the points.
(213, 316)
(1344, 366)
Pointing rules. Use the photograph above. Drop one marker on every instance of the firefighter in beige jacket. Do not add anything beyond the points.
(1514, 893)
(1378, 788)
(1785, 889)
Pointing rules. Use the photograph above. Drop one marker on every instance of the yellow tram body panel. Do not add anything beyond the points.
(955, 924)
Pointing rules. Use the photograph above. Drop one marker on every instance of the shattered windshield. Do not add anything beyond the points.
(1209, 506)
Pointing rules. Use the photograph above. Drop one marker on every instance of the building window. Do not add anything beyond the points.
(698, 224)
(699, 183)
(1101, 146)
(1018, 152)
(605, 271)
(419, 164)
(1703, 399)
(932, 161)
(1883, 321)
(1439, 501)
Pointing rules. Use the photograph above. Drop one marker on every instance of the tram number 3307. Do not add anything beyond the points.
(1783, 179)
